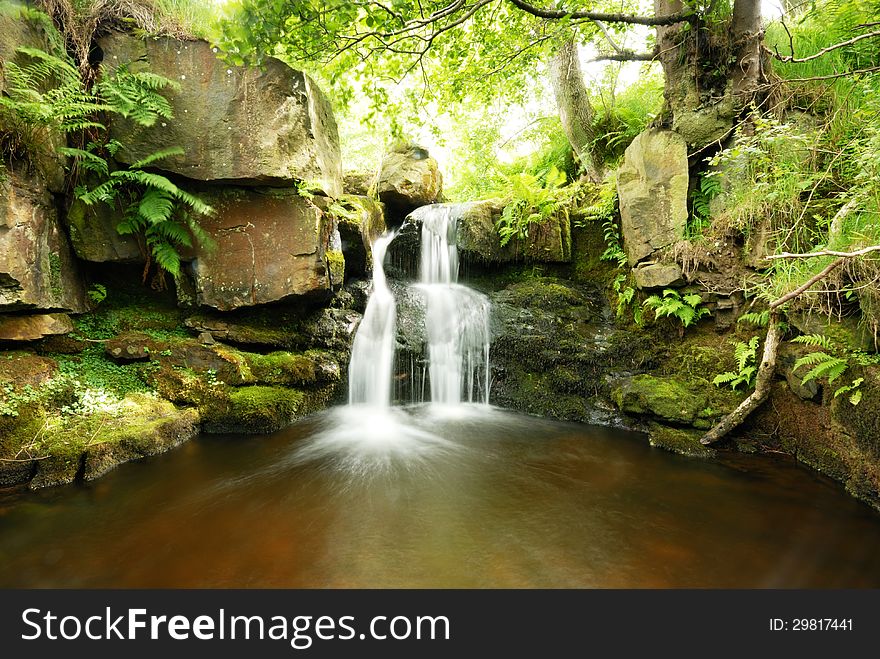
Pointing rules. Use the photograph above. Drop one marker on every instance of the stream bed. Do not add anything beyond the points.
(433, 496)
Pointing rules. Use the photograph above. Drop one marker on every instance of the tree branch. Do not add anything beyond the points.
(556, 14)
(842, 44)
(825, 252)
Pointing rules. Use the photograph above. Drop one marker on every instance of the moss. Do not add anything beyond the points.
(282, 368)
(676, 440)
(335, 266)
(256, 409)
(665, 397)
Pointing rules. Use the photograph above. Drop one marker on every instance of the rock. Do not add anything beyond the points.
(269, 124)
(269, 244)
(357, 183)
(409, 178)
(37, 269)
(652, 185)
(34, 326)
(658, 275)
(93, 235)
(845, 332)
(55, 470)
(20, 369)
(257, 410)
(130, 347)
(677, 440)
(135, 437)
(705, 124)
(664, 397)
(290, 328)
(360, 223)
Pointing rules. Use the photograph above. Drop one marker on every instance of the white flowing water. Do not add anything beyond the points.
(457, 317)
(456, 323)
(372, 353)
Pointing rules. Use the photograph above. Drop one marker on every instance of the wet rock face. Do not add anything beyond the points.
(269, 244)
(270, 124)
(652, 185)
(362, 221)
(37, 269)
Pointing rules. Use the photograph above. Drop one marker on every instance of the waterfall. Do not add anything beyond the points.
(372, 353)
(457, 317)
(456, 323)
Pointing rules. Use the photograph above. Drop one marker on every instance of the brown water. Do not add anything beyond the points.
(484, 499)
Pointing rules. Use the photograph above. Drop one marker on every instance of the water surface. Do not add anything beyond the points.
(461, 497)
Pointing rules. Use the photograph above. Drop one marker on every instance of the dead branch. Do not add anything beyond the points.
(816, 55)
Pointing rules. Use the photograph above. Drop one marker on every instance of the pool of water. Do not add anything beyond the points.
(433, 497)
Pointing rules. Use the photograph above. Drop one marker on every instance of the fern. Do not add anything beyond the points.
(828, 366)
(815, 340)
(758, 319)
(686, 309)
(746, 356)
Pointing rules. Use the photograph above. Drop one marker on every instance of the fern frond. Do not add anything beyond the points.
(815, 340)
(758, 319)
(157, 156)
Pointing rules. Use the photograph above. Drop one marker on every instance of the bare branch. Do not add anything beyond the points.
(832, 76)
(816, 55)
(624, 56)
(825, 252)
(557, 14)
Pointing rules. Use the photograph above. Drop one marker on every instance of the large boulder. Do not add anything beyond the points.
(269, 124)
(269, 244)
(652, 185)
(409, 178)
(37, 270)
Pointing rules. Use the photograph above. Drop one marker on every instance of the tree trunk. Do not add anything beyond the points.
(677, 71)
(747, 38)
(573, 102)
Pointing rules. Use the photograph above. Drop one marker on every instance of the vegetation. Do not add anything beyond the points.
(687, 309)
(746, 355)
(48, 95)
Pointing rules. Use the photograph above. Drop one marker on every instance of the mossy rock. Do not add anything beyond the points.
(677, 440)
(256, 410)
(664, 397)
(155, 428)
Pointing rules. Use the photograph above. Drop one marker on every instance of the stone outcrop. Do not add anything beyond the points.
(37, 269)
(268, 124)
(33, 326)
(409, 178)
(652, 185)
(268, 244)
